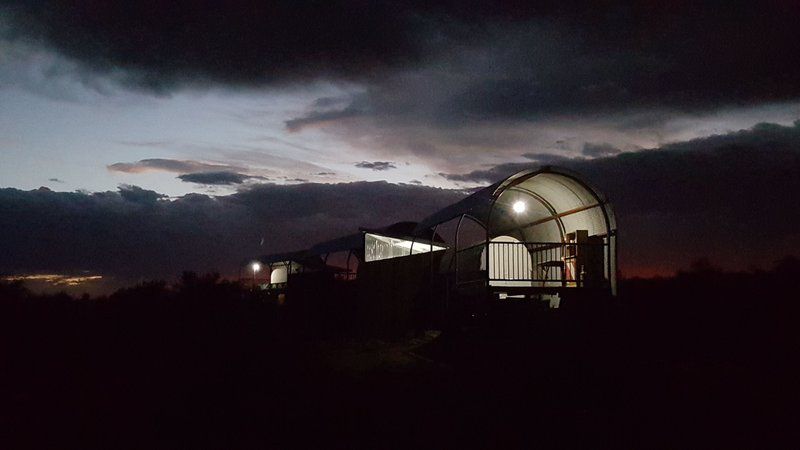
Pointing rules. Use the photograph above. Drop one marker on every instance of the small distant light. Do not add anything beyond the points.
(256, 267)
(519, 206)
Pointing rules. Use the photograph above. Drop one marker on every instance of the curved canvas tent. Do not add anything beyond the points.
(550, 194)
(367, 245)
(541, 234)
(281, 265)
(542, 228)
(372, 244)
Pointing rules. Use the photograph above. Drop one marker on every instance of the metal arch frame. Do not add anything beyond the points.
(458, 233)
(525, 175)
(430, 281)
(611, 232)
(430, 244)
(350, 253)
(511, 182)
(347, 264)
(454, 260)
(549, 206)
(554, 216)
(288, 265)
(601, 202)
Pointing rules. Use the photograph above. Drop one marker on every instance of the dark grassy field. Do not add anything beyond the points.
(702, 360)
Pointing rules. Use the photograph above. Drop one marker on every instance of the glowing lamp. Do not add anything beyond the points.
(256, 267)
(519, 207)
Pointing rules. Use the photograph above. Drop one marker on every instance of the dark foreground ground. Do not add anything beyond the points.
(702, 360)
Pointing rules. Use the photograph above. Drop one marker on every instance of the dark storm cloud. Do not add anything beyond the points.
(55, 180)
(610, 58)
(330, 102)
(484, 175)
(215, 178)
(331, 110)
(479, 60)
(136, 194)
(169, 165)
(545, 158)
(322, 117)
(376, 165)
(146, 143)
(763, 141)
(133, 233)
(497, 172)
(746, 177)
(238, 42)
(596, 150)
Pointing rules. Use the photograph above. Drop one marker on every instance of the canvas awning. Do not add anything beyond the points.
(553, 201)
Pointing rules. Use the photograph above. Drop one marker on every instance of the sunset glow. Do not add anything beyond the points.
(55, 279)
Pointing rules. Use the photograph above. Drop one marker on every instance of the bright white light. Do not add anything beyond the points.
(519, 206)
(256, 267)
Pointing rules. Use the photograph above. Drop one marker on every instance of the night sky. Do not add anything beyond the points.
(139, 139)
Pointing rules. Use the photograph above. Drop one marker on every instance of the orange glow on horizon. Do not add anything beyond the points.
(646, 272)
(55, 279)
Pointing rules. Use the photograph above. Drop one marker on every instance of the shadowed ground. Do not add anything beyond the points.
(704, 359)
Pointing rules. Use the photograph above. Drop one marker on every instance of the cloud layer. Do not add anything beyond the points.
(215, 178)
(521, 60)
(376, 165)
(135, 233)
(169, 165)
(237, 42)
(446, 85)
(729, 197)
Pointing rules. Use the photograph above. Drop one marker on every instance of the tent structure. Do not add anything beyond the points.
(374, 244)
(545, 228)
(342, 256)
(538, 234)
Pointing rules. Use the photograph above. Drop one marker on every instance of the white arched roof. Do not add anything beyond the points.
(556, 201)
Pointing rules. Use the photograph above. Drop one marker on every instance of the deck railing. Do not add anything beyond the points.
(547, 262)
(537, 263)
